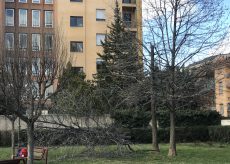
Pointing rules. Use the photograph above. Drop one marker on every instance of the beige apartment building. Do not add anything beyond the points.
(222, 83)
(82, 23)
(218, 68)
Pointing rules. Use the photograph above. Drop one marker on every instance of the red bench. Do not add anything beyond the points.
(40, 153)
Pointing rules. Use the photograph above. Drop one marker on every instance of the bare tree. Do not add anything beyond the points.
(29, 74)
(180, 31)
(5, 104)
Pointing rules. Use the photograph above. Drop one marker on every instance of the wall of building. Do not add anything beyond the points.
(87, 33)
(222, 77)
(53, 121)
(63, 9)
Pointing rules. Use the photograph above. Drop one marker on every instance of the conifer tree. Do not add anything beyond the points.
(121, 65)
(121, 69)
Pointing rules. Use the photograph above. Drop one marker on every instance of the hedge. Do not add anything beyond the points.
(143, 135)
(188, 118)
(184, 134)
(5, 138)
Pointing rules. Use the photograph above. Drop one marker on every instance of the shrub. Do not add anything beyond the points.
(132, 118)
(5, 138)
(219, 133)
(183, 134)
(190, 118)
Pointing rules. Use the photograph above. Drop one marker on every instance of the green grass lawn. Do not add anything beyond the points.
(187, 153)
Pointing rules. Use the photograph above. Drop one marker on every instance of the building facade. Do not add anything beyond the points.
(219, 71)
(82, 23)
(222, 85)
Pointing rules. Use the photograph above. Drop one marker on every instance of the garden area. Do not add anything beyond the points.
(188, 153)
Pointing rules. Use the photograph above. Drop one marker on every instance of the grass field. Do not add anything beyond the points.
(187, 153)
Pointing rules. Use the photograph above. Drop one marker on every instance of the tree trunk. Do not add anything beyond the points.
(153, 103)
(30, 140)
(154, 126)
(19, 129)
(172, 142)
(13, 138)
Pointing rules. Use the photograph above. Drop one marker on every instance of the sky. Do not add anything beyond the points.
(224, 48)
(225, 45)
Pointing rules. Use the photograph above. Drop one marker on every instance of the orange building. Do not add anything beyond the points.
(83, 24)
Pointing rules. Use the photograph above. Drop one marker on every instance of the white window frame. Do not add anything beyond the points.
(49, 25)
(46, 44)
(46, 2)
(36, 66)
(39, 43)
(6, 22)
(20, 34)
(39, 18)
(98, 18)
(9, 48)
(21, 1)
(98, 43)
(23, 25)
(35, 1)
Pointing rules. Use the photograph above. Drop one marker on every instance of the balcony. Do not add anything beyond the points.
(129, 3)
(129, 18)
(130, 24)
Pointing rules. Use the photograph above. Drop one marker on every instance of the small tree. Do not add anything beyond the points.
(28, 77)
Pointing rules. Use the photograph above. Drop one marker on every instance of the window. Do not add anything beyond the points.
(35, 90)
(35, 18)
(100, 38)
(100, 15)
(22, 17)
(48, 42)
(228, 109)
(221, 109)
(77, 70)
(76, 0)
(35, 66)
(9, 41)
(23, 1)
(49, 64)
(126, 1)
(99, 64)
(228, 106)
(48, 18)
(9, 17)
(48, 1)
(36, 1)
(49, 90)
(221, 88)
(22, 41)
(76, 46)
(127, 18)
(36, 42)
(76, 21)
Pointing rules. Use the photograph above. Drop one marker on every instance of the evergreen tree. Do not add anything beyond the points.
(120, 71)
(71, 79)
(121, 65)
